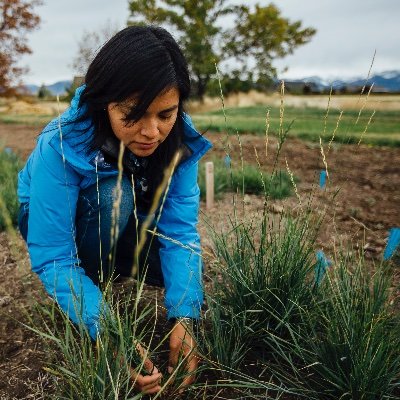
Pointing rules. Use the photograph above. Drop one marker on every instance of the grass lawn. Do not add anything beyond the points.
(26, 119)
(307, 123)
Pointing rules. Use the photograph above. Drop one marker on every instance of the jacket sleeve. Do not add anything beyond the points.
(54, 190)
(179, 252)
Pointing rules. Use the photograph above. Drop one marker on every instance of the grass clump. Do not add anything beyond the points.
(265, 277)
(225, 336)
(84, 369)
(267, 269)
(334, 338)
(247, 180)
(10, 164)
(349, 343)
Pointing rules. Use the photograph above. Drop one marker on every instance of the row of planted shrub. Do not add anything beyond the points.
(279, 322)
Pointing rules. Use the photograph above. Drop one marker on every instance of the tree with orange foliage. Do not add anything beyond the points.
(16, 20)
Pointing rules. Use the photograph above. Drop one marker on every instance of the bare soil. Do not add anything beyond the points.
(367, 205)
(361, 200)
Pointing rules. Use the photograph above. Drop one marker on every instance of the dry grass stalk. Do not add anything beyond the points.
(334, 131)
(99, 219)
(267, 123)
(366, 127)
(293, 182)
(241, 166)
(281, 108)
(363, 89)
(177, 242)
(227, 145)
(323, 157)
(327, 110)
(135, 214)
(261, 173)
(117, 203)
(162, 188)
(368, 75)
(320, 138)
(364, 104)
(221, 93)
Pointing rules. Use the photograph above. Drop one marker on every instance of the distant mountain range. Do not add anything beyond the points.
(58, 88)
(388, 81)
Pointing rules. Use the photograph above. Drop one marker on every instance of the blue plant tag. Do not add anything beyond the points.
(227, 161)
(322, 264)
(392, 244)
(322, 179)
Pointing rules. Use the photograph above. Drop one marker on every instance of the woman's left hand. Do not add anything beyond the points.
(181, 342)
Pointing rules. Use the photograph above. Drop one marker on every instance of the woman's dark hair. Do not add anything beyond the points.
(141, 60)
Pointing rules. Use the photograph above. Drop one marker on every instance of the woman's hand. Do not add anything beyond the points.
(147, 384)
(181, 342)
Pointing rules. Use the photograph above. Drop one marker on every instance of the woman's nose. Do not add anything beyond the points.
(150, 128)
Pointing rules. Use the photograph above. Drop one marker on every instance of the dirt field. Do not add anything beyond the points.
(366, 206)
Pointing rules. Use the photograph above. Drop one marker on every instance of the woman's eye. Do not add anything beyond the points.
(128, 123)
(165, 117)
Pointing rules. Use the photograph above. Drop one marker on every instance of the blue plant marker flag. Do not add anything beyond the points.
(392, 244)
(322, 179)
(227, 161)
(322, 264)
(8, 150)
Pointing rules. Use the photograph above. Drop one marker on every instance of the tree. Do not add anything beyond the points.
(264, 35)
(260, 35)
(17, 18)
(89, 44)
(195, 23)
(43, 92)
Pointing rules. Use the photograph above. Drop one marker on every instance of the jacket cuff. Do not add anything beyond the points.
(183, 312)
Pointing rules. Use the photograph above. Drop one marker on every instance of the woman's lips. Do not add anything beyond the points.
(145, 146)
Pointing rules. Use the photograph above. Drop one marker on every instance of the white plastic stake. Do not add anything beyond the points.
(209, 185)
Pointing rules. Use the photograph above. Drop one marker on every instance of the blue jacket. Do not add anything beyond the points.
(58, 168)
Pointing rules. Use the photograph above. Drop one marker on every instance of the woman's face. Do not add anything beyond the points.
(144, 136)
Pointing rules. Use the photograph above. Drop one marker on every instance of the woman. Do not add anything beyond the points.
(134, 92)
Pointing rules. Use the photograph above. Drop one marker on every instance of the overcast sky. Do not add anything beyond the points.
(348, 33)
